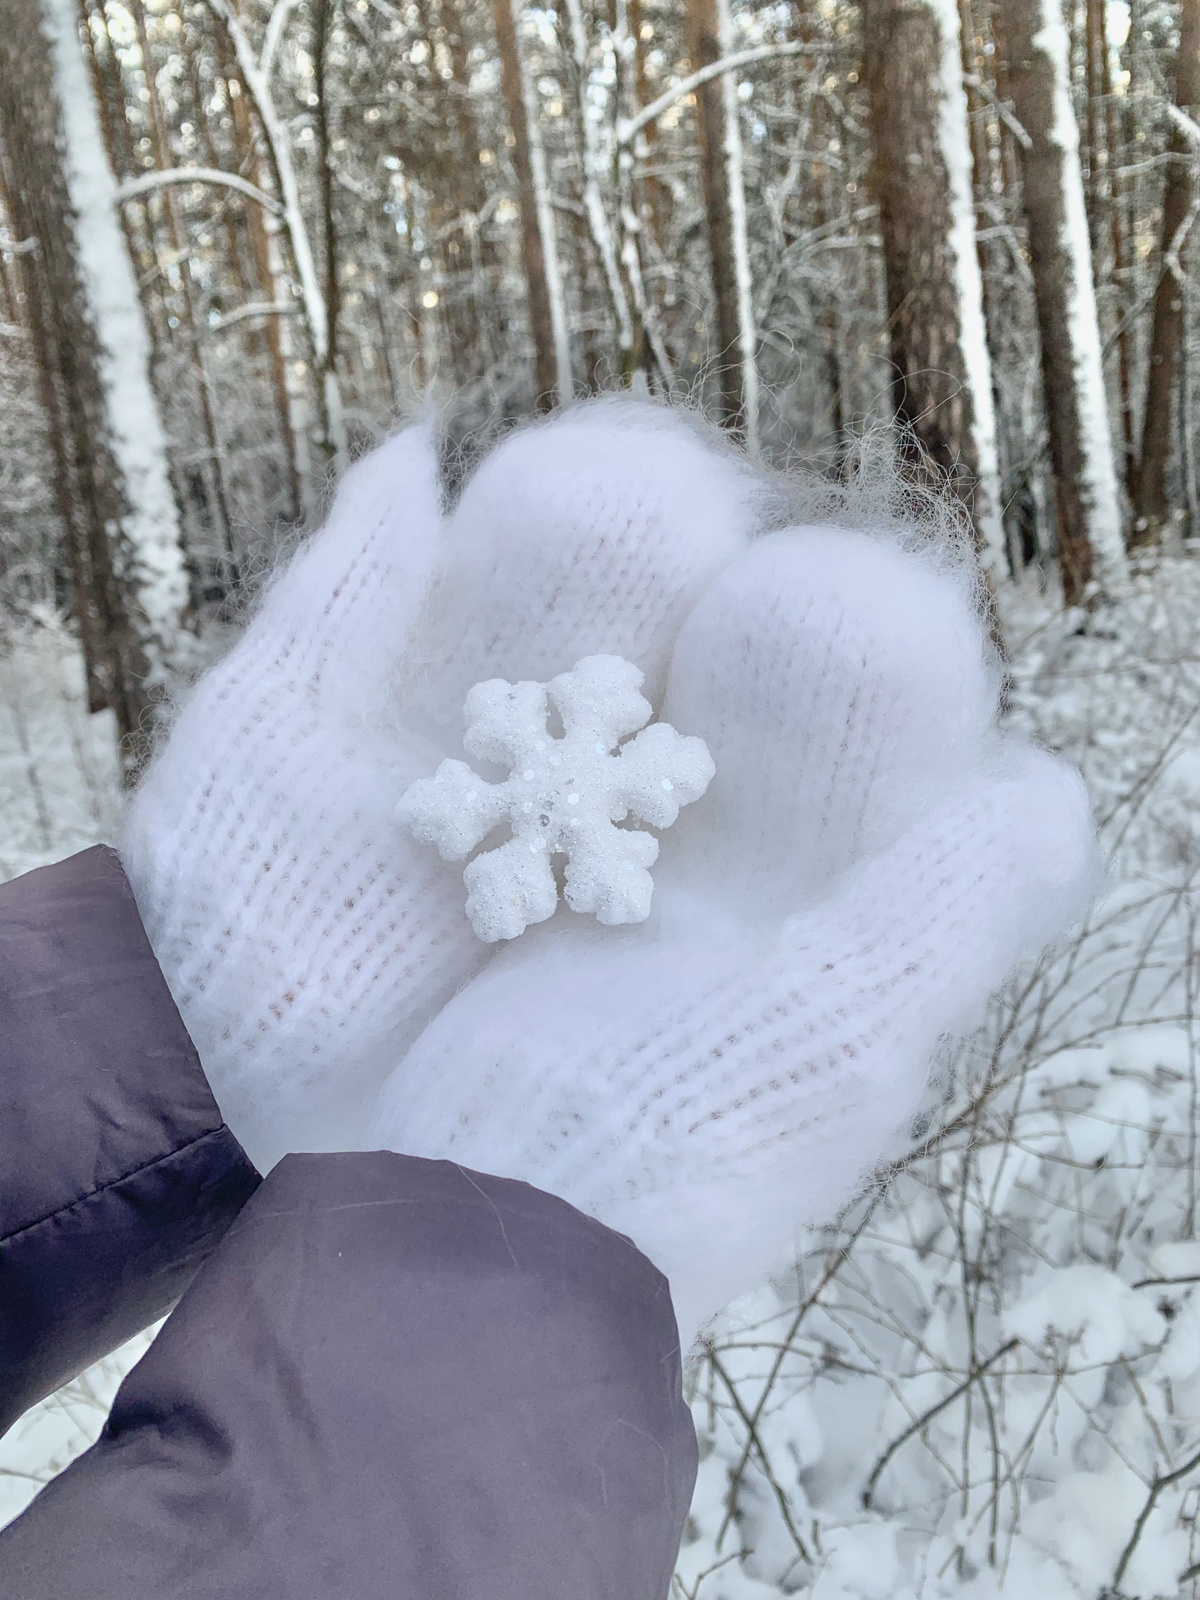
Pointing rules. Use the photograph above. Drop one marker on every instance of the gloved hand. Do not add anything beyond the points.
(870, 862)
(306, 938)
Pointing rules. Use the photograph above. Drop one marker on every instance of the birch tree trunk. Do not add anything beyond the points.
(1151, 508)
(923, 182)
(539, 245)
(127, 568)
(1090, 544)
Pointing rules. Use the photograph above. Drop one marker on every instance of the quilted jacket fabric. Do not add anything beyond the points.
(385, 1376)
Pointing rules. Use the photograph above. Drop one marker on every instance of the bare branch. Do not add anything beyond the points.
(926, 1417)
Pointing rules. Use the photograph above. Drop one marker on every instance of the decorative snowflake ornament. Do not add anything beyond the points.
(564, 797)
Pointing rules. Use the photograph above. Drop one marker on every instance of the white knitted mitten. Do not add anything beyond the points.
(869, 863)
(305, 936)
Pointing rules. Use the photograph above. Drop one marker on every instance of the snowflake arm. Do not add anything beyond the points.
(608, 875)
(563, 797)
(455, 810)
(508, 888)
(662, 770)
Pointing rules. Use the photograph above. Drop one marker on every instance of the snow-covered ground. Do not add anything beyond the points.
(987, 1382)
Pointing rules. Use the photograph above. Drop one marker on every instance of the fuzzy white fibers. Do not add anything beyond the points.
(306, 938)
(870, 862)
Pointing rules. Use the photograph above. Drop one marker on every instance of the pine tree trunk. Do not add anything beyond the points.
(467, 256)
(1090, 545)
(327, 377)
(256, 83)
(289, 397)
(1095, 47)
(1151, 508)
(923, 182)
(1118, 236)
(702, 33)
(215, 474)
(126, 563)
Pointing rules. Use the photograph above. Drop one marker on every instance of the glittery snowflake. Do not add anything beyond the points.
(565, 796)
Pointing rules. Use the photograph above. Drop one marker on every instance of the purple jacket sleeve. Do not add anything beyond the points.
(117, 1174)
(394, 1380)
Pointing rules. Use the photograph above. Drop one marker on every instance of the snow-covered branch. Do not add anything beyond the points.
(594, 172)
(278, 138)
(147, 545)
(17, 247)
(1018, 130)
(1189, 128)
(173, 175)
(279, 15)
(629, 128)
(256, 308)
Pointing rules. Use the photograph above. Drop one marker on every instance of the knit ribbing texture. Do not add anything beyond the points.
(871, 861)
(306, 938)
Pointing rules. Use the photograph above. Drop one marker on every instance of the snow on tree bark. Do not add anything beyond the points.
(256, 76)
(539, 243)
(121, 535)
(704, 37)
(1090, 543)
(594, 165)
(1151, 504)
(923, 179)
(739, 237)
(147, 556)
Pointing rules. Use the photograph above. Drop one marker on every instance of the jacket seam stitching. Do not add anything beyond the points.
(115, 1183)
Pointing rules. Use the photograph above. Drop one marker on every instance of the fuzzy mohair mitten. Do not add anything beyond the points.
(870, 862)
(306, 938)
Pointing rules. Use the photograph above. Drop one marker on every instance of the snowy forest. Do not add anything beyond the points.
(239, 239)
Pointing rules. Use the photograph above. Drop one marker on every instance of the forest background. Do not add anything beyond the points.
(238, 239)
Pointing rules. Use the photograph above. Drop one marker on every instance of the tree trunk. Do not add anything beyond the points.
(923, 182)
(1095, 34)
(327, 376)
(1151, 510)
(600, 227)
(464, 253)
(1118, 235)
(289, 397)
(1090, 546)
(703, 38)
(255, 78)
(215, 475)
(547, 319)
(127, 568)
(656, 197)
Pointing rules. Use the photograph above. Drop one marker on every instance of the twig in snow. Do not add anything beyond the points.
(1156, 1488)
(922, 1421)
